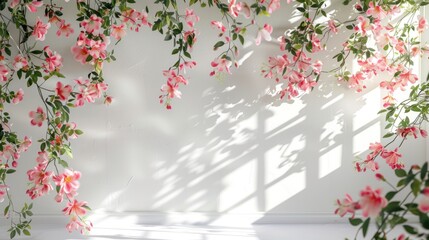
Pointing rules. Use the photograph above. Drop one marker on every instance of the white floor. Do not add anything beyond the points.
(150, 232)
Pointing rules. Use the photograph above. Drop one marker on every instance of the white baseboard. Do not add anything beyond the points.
(194, 218)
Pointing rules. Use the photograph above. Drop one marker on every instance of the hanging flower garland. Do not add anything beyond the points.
(384, 40)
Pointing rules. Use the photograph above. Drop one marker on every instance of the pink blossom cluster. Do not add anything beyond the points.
(392, 158)
(88, 91)
(371, 203)
(296, 74)
(176, 75)
(11, 152)
(392, 62)
(134, 19)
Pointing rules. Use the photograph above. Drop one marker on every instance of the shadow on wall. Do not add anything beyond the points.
(230, 146)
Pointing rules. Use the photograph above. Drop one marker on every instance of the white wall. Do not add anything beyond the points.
(226, 147)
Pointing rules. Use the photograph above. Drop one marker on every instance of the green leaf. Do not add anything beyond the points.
(400, 173)
(26, 232)
(424, 171)
(393, 207)
(411, 230)
(6, 210)
(415, 187)
(12, 234)
(387, 135)
(365, 226)
(390, 195)
(355, 221)
(219, 44)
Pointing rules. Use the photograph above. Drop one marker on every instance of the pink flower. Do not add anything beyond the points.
(236, 8)
(422, 24)
(332, 27)
(3, 192)
(372, 202)
(376, 147)
(65, 29)
(68, 183)
(32, 6)
(171, 90)
(347, 205)
(218, 25)
(174, 78)
(264, 33)
(42, 159)
(75, 207)
(3, 72)
(14, 3)
(221, 65)
(19, 62)
(424, 133)
(380, 177)
(78, 224)
(25, 144)
(40, 30)
(118, 31)
(404, 132)
(63, 92)
(362, 25)
(53, 60)
(37, 117)
(80, 54)
(9, 152)
(316, 43)
(191, 18)
(273, 6)
(424, 204)
(392, 158)
(375, 11)
(93, 24)
(18, 96)
(40, 179)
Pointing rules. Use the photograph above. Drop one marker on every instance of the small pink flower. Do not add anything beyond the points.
(4, 71)
(13, 3)
(80, 54)
(392, 158)
(171, 90)
(68, 183)
(221, 65)
(375, 11)
(380, 177)
(3, 192)
(372, 202)
(376, 147)
(63, 92)
(422, 24)
(19, 62)
(118, 31)
(53, 60)
(18, 96)
(362, 25)
(37, 117)
(191, 18)
(93, 24)
(25, 144)
(424, 204)
(75, 207)
(42, 158)
(273, 6)
(32, 6)
(40, 30)
(65, 29)
(264, 33)
(347, 205)
(424, 133)
(332, 27)
(218, 25)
